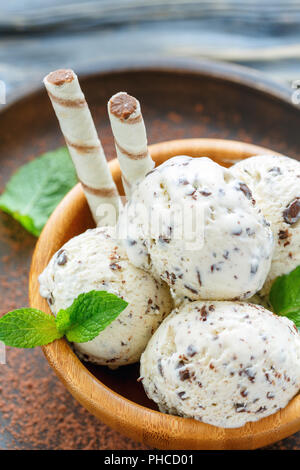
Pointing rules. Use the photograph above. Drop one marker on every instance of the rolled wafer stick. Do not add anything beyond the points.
(130, 139)
(84, 145)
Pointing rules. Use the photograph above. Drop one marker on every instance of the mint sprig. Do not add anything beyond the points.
(27, 328)
(34, 191)
(285, 296)
(88, 315)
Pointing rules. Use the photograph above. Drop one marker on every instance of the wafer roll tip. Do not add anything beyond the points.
(125, 107)
(60, 77)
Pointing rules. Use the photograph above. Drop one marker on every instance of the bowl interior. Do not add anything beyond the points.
(115, 396)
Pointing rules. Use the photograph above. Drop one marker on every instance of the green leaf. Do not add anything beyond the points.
(295, 317)
(27, 328)
(88, 315)
(34, 191)
(285, 296)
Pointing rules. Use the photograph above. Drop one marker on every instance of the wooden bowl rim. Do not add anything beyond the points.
(136, 421)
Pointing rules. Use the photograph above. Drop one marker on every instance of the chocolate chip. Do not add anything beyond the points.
(194, 291)
(249, 374)
(171, 277)
(291, 214)
(183, 357)
(181, 395)
(62, 258)
(180, 364)
(268, 378)
(123, 105)
(245, 295)
(240, 407)
(184, 374)
(163, 239)
(250, 231)
(245, 189)
(191, 192)
(216, 267)
(50, 299)
(115, 266)
(283, 234)
(191, 350)
(275, 170)
(254, 268)
(199, 278)
(261, 409)
(159, 366)
(203, 313)
(205, 193)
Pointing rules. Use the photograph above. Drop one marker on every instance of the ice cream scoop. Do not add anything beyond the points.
(226, 256)
(223, 363)
(275, 184)
(94, 260)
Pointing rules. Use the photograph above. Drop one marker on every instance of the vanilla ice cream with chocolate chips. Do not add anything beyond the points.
(275, 184)
(223, 363)
(95, 261)
(232, 256)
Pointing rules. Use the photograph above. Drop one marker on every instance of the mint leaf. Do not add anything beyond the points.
(295, 317)
(34, 191)
(285, 296)
(88, 315)
(27, 328)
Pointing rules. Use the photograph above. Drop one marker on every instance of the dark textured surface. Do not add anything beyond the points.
(38, 36)
(36, 412)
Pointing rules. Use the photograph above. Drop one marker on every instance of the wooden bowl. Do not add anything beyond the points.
(105, 398)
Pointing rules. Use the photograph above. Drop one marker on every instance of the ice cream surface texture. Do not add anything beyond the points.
(223, 363)
(275, 184)
(94, 260)
(231, 254)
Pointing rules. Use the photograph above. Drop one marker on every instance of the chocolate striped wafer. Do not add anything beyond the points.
(130, 139)
(83, 143)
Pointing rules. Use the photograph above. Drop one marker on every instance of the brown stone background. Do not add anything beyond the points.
(36, 411)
